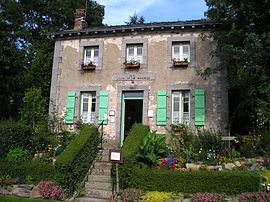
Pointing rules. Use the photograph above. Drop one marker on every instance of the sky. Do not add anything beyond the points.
(117, 12)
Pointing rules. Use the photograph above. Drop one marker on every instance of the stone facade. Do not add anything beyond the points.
(155, 73)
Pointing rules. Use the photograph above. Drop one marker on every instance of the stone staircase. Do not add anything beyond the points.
(98, 186)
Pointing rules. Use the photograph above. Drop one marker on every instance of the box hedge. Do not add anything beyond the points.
(229, 182)
(133, 141)
(73, 164)
(34, 169)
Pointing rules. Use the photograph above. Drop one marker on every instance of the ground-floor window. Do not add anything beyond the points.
(180, 106)
(88, 107)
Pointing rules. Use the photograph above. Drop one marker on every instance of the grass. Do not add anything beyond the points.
(20, 199)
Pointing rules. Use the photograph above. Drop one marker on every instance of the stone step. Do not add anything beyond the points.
(101, 171)
(102, 165)
(98, 185)
(99, 178)
(104, 158)
(97, 193)
(89, 199)
(105, 152)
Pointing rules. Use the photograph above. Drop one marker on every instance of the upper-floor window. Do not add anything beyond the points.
(88, 107)
(134, 53)
(181, 51)
(180, 106)
(91, 54)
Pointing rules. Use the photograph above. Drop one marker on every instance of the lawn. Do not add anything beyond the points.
(19, 199)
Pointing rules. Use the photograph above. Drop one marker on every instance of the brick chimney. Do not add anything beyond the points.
(80, 22)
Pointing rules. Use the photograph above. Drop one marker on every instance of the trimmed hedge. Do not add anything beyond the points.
(229, 182)
(131, 149)
(37, 170)
(13, 136)
(133, 141)
(73, 164)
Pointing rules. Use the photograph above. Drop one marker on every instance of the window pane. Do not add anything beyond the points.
(176, 107)
(131, 51)
(88, 52)
(186, 49)
(176, 52)
(139, 51)
(186, 95)
(139, 58)
(87, 55)
(93, 108)
(96, 52)
(186, 53)
(135, 94)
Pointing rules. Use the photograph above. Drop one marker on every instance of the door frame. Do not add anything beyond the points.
(123, 105)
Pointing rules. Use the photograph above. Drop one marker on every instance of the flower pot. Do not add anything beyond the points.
(88, 67)
(180, 63)
(132, 65)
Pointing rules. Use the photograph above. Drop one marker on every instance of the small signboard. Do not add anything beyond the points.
(116, 155)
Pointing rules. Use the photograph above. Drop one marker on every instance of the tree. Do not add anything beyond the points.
(244, 49)
(26, 52)
(135, 20)
(34, 107)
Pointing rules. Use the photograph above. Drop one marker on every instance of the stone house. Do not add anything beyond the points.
(119, 75)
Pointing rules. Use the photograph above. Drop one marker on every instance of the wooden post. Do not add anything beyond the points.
(117, 179)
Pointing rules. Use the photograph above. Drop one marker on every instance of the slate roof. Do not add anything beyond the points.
(138, 28)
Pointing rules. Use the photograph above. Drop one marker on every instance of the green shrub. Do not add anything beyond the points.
(156, 196)
(73, 164)
(152, 148)
(265, 143)
(14, 136)
(134, 139)
(18, 154)
(209, 144)
(247, 150)
(36, 170)
(229, 182)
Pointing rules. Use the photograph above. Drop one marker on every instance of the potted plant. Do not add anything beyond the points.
(180, 63)
(88, 66)
(132, 64)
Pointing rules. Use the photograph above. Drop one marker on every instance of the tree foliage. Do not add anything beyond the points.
(135, 20)
(244, 50)
(34, 107)
(26, 52)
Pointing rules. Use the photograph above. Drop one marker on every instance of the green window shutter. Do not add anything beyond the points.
(103, 107)
(199, 107)
(161, 108)
(69, 119)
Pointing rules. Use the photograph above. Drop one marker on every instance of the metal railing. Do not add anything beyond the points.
(101, 125)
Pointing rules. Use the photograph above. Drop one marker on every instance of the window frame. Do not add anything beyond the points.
(181, 51)
(181, 39)
(181, 106)
(126, 42)
(135, 53)
(181, 87)
(92, 55)
(92, 95)
(85, 44)
(82, 89)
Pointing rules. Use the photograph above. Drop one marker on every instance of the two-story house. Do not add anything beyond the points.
(119, 75)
